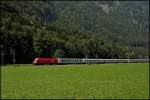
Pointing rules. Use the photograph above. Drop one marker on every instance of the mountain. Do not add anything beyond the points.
(114, 21)
(123, 22)
(116, 28)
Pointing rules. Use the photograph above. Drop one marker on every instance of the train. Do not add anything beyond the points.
(41, 61)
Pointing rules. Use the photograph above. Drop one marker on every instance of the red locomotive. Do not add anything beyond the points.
(45, 61)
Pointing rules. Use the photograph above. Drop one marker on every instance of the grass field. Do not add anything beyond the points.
(95, 81)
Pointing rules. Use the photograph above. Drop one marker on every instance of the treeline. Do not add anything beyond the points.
(30, 38)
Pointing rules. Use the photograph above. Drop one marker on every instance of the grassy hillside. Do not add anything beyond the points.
(95, 81)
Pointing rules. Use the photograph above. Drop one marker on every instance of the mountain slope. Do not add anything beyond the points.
(81, 29)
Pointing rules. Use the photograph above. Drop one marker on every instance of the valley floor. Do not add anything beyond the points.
(80, 81)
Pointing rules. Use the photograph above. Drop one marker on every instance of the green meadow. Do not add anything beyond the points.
(80, 81)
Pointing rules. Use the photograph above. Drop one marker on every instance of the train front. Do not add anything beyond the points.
(41, 61)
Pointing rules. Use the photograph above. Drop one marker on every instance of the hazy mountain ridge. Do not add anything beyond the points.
(114, 21)
(122, 20)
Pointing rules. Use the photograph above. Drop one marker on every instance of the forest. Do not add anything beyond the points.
(81, 29)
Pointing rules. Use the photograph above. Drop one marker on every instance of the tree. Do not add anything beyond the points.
(59, 53)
